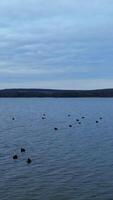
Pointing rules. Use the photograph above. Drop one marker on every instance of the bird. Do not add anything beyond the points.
(55, 129)
(15, 157)
(23, 150)
(77, 120)
(70, 125)
(97, 122)
(13, 118)
(29, 160)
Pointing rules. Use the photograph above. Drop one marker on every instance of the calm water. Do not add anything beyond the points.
(67, 164)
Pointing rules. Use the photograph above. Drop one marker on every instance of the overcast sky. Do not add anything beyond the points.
(65, 44)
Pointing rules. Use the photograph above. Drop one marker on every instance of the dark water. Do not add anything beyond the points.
(70, 163)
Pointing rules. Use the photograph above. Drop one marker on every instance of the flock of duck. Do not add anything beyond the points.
(79, 122)
(23, 150)
(15, 157)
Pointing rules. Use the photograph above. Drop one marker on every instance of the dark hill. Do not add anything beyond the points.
(55, 93)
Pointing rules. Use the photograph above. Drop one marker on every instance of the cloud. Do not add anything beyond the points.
(50, 39)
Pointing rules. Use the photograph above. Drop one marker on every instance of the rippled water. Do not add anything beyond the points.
(70, 163)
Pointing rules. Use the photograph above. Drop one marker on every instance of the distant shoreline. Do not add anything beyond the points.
(54, 93)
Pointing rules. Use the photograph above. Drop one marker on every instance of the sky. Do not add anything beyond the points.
(63, 44)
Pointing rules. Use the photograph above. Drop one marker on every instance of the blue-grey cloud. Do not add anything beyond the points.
(45, 43)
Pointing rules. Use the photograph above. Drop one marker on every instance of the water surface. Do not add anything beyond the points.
(67, 164)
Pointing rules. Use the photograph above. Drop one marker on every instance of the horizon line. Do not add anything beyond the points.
(20, 88)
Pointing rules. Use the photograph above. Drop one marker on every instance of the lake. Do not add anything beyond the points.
(73, 162)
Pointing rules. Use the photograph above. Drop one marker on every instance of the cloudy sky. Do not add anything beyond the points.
(65, 44)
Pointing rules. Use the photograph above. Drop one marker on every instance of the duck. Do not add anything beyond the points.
(70, 125)
(29, 160)
(23, 150)
(15, 157)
